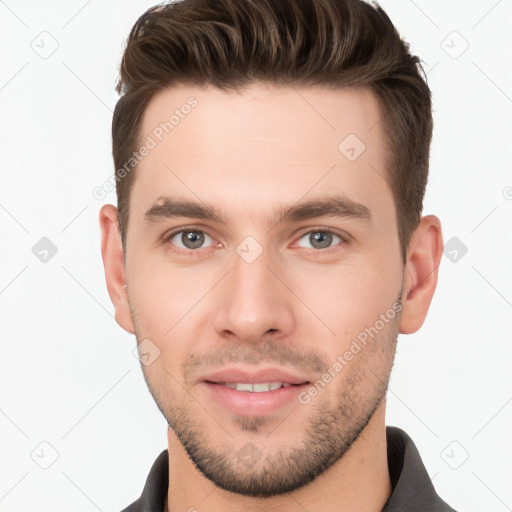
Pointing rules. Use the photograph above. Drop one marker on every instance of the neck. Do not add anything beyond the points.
(359, 481)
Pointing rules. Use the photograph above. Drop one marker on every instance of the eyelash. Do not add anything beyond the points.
(328, 250)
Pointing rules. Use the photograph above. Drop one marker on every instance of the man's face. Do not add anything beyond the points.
(251, 296)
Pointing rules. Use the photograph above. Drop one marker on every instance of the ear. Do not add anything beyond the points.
(113, 261)
(420, 273)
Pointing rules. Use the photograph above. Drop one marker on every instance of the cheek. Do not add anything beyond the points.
(167, 302)
(151, 294)
(346, 298)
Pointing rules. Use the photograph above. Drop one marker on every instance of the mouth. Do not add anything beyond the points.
(254, 393)
(257, 387)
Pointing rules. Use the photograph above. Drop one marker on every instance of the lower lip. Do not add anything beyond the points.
(250, 403)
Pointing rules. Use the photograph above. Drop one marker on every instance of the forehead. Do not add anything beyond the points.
(248, 148)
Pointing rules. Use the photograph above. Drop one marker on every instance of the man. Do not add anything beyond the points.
(268, 248)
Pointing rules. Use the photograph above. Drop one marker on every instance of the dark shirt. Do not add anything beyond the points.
(412, 490)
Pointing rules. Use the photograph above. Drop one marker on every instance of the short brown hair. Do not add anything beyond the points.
(233, 43)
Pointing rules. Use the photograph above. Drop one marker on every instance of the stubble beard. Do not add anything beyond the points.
(327, 436)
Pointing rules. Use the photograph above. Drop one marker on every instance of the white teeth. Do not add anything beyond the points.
(256, 388)
(263, 386)
(243, 387)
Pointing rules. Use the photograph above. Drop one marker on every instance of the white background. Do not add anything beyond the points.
(68, 374)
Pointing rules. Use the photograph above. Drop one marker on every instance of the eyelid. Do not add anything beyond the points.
(169, 235)
(344, 236)
(176, 230)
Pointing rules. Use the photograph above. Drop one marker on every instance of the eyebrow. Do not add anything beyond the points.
(166, 207)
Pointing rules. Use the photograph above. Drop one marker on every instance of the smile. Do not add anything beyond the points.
(256, 387)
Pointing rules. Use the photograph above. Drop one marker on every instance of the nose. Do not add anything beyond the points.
(253, 302)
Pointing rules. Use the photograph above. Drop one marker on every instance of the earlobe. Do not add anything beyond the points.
(113, 262)
(420, 273)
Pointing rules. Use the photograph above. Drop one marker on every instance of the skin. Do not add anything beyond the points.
(298, 306)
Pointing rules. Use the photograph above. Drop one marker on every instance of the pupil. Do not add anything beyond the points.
(319, 240)
(192, 239)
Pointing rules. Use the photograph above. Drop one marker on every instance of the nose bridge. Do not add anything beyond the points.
(253, 300)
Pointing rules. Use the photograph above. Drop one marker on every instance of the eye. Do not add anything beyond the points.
(320, 239)
(189, 239)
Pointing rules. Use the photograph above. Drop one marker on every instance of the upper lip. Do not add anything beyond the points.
(237, 375)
